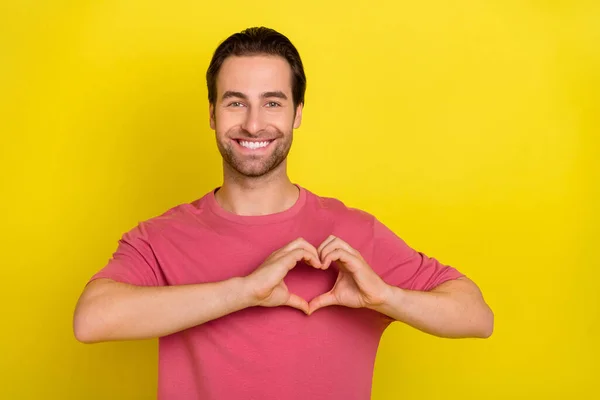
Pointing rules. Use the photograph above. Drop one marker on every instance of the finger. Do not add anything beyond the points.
(301, 243)
(302, 254)
(349, 261)
(323, 300)
(337, 243)
(329, 239)
(298, 302)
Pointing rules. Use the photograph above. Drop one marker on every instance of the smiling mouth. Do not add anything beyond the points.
(253, 145)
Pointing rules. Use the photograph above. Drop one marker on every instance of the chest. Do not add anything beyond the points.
(212, 254)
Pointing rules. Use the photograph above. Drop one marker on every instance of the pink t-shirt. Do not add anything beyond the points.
(268, 353)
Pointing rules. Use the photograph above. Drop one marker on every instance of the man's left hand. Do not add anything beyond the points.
(357, 285)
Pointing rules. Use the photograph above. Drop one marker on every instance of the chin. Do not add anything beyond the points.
(253, 170)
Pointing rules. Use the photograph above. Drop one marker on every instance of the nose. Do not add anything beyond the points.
(253, 122)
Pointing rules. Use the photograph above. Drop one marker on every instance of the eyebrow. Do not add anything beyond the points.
(277, 93)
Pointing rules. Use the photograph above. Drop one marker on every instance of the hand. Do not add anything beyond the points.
(357, 285)
(266, 283)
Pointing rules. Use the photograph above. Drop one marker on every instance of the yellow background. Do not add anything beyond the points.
(469, 127)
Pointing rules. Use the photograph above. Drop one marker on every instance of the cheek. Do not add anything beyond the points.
(225, 121)
(282, 120)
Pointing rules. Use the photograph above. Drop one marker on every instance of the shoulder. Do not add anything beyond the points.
(341, 211)
(358, 227)
(177, 217)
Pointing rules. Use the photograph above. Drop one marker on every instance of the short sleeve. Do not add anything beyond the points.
(400, 265)
(133, 261)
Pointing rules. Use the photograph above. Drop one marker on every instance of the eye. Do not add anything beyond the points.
(272, 104)
(235, 104)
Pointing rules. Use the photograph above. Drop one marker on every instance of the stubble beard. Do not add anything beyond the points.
(250, 166)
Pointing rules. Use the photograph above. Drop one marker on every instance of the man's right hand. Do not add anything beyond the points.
(266, 284)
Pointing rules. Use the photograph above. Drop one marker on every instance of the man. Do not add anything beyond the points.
(261, 289)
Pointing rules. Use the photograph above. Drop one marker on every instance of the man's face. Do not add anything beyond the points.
(253, 115)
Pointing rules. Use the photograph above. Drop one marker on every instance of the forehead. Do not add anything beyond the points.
(255, 74)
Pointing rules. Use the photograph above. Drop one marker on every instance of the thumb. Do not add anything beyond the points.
(297, 302)
(323, 300)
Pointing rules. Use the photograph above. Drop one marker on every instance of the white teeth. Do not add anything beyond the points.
(253, 145)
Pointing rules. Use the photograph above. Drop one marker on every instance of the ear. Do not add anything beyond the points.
(211, 111)
(298, 117)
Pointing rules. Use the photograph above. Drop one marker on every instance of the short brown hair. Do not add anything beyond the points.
(256, 41)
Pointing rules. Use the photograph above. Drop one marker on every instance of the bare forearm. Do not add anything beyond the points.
(117, 311)
(454, 310)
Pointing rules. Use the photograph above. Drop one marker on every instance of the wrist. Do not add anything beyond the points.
(244, 289)
(391, 298)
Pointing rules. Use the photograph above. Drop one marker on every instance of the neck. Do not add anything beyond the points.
(269, 194)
